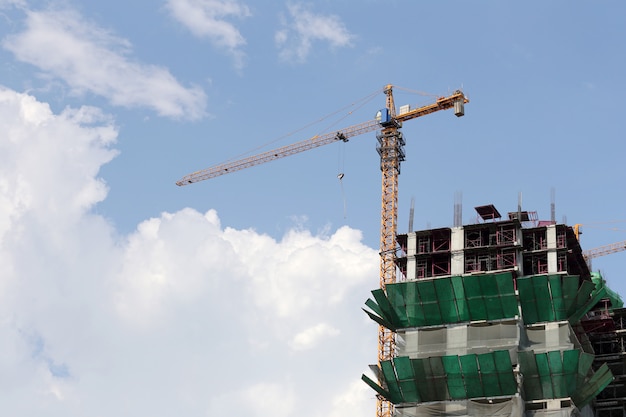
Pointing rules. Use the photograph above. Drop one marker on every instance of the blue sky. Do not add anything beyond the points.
(123, 294)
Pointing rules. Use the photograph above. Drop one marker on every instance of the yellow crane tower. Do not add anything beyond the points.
(391, 150)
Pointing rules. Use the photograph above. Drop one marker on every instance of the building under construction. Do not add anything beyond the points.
(500, 318)
(496, 318)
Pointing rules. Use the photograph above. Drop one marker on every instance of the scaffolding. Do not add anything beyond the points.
(606, 330)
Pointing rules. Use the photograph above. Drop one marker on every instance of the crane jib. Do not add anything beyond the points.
(294, 148)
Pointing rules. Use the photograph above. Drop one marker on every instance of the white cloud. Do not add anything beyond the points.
(207, 19)
(27, 180)
(303, 27)
(88, 58)
(270, 399)
(5, 4)
(312, 336)
(352, 401)
(305, 267)
(181, 317)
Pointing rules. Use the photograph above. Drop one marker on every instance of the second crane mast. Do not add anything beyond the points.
(391, 149)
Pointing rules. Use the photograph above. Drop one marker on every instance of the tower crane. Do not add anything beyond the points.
(600, 250)
(391, 150)
(604, 250)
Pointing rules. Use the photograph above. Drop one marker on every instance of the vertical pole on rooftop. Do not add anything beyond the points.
(552, 206)
(458, 209)
(411, 214)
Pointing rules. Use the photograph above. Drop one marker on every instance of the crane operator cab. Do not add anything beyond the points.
(384, 117)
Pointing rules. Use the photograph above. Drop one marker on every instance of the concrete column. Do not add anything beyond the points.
(457, 246)
(411, 250)
(551, 242)
(456, 340)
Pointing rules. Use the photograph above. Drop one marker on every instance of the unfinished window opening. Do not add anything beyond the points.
(441, 240)
(542, 264)
(506, 235)
(401, 263)
(561, 238)
(484, 262)
(471, 264)
(607, 347)
(441, 265)
(403, 241)
(617, 411)
(423, 244)
(535, 239)
(535, 264)
(421, 268)
(507, 259)
(473, 240)
(561, 261)
(429, 241)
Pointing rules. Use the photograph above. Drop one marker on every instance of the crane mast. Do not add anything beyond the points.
(391, 150)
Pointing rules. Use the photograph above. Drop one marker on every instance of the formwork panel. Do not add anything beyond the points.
(559, 384)
(392, 382)
(406, 379)
(445, 295)
(456, 385)
(556, 291)
(489, 376)
(545, 377)
(460, 296)
(395, 294)
(570, 368)
(439, 379)
(532, 381)
(469, 365)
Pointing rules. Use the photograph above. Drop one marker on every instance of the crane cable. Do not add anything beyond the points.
(341, 159)
(362, 102)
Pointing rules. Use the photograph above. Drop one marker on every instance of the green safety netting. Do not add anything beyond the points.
(600, 283)
(555, 298)
(446, 300)
(561, 374)
(445, 378)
